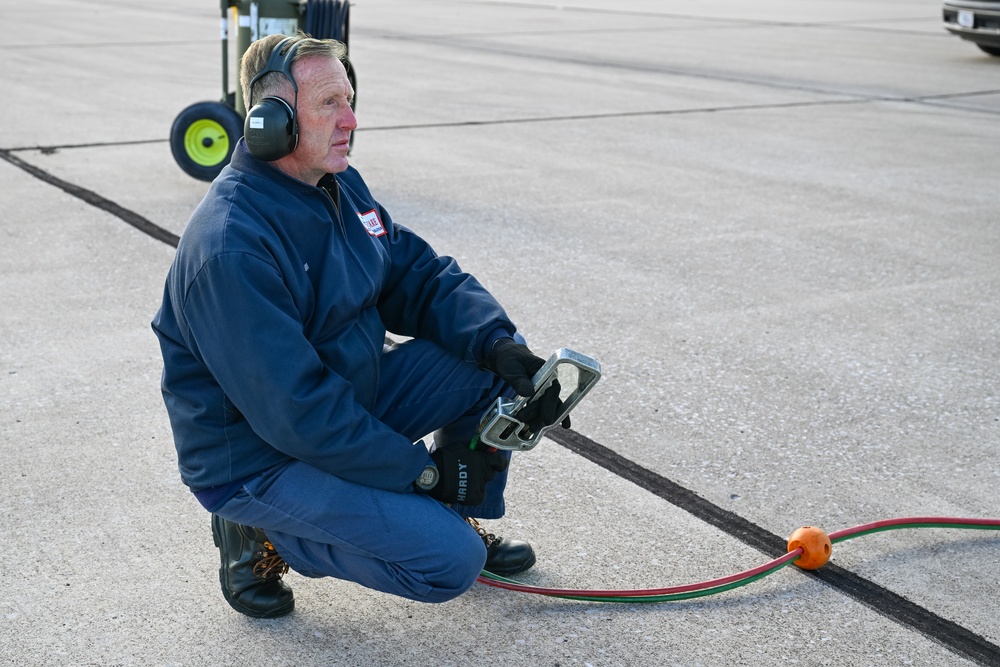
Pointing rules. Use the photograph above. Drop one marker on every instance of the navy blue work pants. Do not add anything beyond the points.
(407, 544)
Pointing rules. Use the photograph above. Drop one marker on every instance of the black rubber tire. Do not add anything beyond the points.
(992, 50)
(203, 137)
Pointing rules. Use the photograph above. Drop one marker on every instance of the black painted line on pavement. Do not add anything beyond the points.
(49, 150)
(131, 217)
(617, 114)
(949, 634)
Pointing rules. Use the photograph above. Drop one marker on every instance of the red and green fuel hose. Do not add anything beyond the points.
(808, 547)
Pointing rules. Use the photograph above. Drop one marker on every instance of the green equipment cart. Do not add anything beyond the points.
(204, 134)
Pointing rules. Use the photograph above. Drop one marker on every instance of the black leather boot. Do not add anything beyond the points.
(251, 571)
(503, 556)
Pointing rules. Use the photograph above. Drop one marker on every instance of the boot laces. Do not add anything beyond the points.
(488, 538)
(270, 564)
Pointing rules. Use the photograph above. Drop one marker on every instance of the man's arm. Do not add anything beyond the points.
(244, 327)
(429, 296)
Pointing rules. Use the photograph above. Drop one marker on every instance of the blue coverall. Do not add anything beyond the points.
(288, 412)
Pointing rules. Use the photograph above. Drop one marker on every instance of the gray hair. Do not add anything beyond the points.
(273, 83)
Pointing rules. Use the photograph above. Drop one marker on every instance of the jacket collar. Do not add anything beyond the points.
(244, 162)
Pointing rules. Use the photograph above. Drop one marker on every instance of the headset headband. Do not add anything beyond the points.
(279, 62)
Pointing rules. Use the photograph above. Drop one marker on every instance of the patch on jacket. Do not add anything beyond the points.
(372, 223)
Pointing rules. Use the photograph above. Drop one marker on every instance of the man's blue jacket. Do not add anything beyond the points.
(273, 321)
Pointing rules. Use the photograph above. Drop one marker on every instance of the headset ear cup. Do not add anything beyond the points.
(271, 129)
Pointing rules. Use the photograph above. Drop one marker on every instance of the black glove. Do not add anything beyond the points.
(543, 410)
(464, 473)
(516, 365)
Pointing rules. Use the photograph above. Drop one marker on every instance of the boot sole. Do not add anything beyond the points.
(246, 611)
(517, 569)
(507, 572)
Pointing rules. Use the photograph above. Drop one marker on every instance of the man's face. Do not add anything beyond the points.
(325, 117)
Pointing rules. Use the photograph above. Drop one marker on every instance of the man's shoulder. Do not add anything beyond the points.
(229, 218)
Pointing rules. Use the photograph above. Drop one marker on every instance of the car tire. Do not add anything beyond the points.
(992, 50)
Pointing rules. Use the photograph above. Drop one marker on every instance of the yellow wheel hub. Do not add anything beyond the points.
(206, 143)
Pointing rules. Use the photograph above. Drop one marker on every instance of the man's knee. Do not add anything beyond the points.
(457, 569)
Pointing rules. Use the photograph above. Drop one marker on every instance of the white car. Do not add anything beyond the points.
(975, 20)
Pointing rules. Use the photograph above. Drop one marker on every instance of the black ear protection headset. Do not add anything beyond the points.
(271, 128)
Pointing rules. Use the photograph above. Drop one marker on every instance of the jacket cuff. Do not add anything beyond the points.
(489, 341)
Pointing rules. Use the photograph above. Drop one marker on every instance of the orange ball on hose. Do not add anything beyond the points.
(815, 544)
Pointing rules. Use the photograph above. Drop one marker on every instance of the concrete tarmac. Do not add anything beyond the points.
(774, 223)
